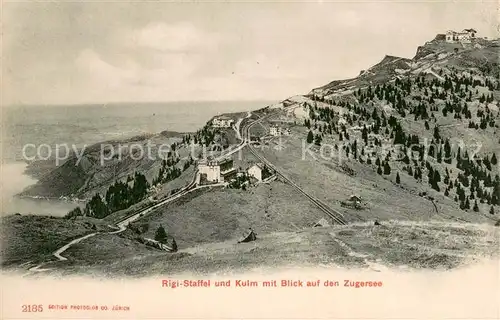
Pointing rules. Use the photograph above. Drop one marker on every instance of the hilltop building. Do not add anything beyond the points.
(222, 122)
(465, 36)
(275, 130)
(213, 170)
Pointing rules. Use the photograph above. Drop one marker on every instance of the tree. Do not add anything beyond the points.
(492, 210)
(467, 203)
(398, 180)
(379, 170)
(459, 158)
(447, 152)
(74, 213)
(317, 140)
(436, 133)
(494, 160)
(161, 235)
(364, 134)
(174, 245)
(387, 168)
(310, 137)
(96, 208)
(476, 207)
(140, 188)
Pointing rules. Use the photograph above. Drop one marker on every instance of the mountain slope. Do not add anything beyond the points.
(433, 119)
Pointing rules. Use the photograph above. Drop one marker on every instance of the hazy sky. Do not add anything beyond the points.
(104, 51)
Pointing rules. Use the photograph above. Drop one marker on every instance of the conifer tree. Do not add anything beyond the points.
(174, 245)
(74, 213)
(476, 207)
(447, 151)
(317, 140)
(96, 208)
(310, 137)
(161, 234)
(436, 133)
(387, 168)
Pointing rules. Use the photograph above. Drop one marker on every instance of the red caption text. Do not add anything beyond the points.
(170, 283)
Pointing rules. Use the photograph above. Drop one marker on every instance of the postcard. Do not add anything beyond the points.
(250, 160)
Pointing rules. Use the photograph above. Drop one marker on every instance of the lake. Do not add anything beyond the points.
(87, 124)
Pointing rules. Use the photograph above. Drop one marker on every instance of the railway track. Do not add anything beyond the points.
(333, 214)
(336, 216)
(177, 194)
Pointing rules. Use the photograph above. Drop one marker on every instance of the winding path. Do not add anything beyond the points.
(57, 254)
(238, 125)
(122, 225)
(192, 186)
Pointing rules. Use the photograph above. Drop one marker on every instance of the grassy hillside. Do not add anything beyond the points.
(223, 214)
(31, 239)
(100, 166)
(435, 124)
(417, 140)
(395, 244)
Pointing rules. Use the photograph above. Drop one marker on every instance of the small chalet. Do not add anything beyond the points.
(256, 171)
(259, 171)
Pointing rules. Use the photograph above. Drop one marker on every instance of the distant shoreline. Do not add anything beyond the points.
(38, 168)
(127, 104)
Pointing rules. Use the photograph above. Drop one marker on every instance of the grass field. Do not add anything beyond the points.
(394, 244)
(26, 239)
(224, 214)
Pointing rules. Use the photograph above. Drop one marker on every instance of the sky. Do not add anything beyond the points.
(76, 52)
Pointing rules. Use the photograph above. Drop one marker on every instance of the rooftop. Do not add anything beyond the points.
(213, 159)
(223, 117)
(259, 165)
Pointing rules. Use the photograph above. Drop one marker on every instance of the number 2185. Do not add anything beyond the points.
(32, 308)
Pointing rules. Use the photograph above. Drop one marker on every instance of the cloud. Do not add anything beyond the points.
(158, 57)
(89, 52)
(263, 66)
(179, 37)
(91, 65)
